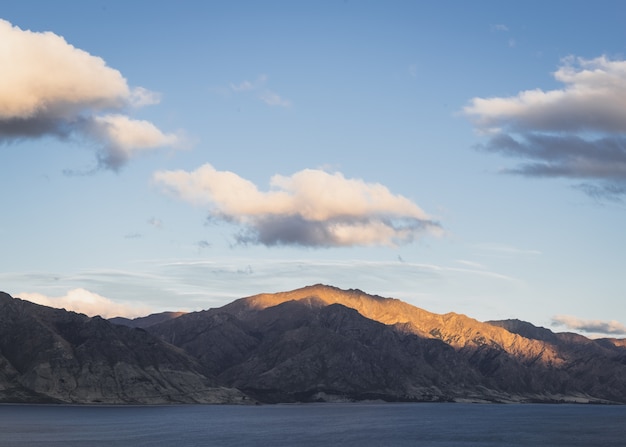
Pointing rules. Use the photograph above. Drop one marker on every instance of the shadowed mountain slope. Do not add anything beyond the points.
(144, 322)
(318, 343)
(51, 355)
(323, 343)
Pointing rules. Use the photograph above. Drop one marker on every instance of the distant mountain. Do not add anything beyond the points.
(318, 343)
(51, 355)
(144, 322)
(323, 343)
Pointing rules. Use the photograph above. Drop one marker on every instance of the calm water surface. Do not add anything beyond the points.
(440, 425)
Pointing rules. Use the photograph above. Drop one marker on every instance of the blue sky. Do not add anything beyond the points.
(461, 156)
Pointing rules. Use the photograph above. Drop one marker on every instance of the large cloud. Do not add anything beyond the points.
(310, 208)
(578, 131)
(591, 326)
(88, 303)
(49, 87)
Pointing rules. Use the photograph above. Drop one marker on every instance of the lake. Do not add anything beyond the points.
(356, 424)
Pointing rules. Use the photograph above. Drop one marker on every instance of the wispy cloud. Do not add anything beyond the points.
(202, 245)
(51, 88)
(577, 132)
(88, 303)
(499, 27)
(246, 86)
(273, 99)
(156, 223)
(611, 327)
(258, 87)
(504, 249)
(311, 208)
(200, 283)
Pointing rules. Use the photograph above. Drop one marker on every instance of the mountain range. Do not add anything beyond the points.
(317, 343)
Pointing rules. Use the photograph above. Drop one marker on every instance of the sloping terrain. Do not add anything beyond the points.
(320, 342)
(51, 355)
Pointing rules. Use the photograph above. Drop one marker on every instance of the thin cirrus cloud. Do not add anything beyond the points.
(88, 303)
(51, 88)
(311, 208)
(590, 326)
(263, 93)
(577, 132)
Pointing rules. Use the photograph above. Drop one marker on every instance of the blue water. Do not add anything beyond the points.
(441, 425)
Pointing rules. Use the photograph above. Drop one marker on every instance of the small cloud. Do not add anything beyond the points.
(203, 245)
(413, 70)
(512, 43)
(611, 327)
(122, 138)
(266, 95)
(273, 99)
(50, 88)
(242, 87)
(311, 208)
(88, 303)
(156, 223)
(246, 86)
(499, 27)
(132, 236)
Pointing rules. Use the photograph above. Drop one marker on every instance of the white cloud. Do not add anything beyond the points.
(310, 208)
(578, 131)
(592, 100)
(50, 88)
(611, 327)
(88, 303)
(124, 137)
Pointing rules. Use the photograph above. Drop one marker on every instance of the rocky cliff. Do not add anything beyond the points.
(50, 355)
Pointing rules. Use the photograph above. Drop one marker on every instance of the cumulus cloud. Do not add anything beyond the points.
(310, 208)
(264, 94)
(51, 88)
(611, 327)
(578, 131)
(88, 303)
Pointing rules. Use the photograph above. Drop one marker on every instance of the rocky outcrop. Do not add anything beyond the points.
(51, 355)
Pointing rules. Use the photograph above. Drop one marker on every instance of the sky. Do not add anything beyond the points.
(464, 157)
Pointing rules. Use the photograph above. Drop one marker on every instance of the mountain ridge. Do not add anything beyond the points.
(316, 343)
(482, 361)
